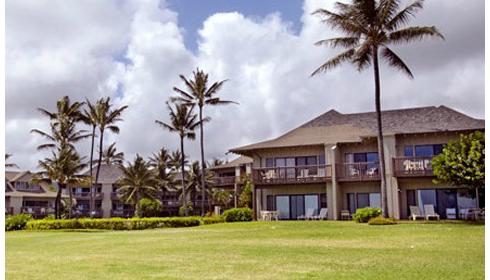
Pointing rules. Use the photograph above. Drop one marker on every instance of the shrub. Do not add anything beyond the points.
(17, 222)
(114, 223)
(213, 220)
(149, 207)
(380, 221)
(363, 215)
(238, 215)
(182, 210)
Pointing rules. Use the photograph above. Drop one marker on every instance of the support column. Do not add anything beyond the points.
(331, 157)
(235, 186)
(106, 200)
(391, 181)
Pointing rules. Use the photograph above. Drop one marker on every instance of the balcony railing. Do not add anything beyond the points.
(412, 166)
(358, 171)
(37, 211)
(292, 175)
(98, 213)
(225, 181)
(171, 202)
(86, 195)
(28, 188)
(125, 213)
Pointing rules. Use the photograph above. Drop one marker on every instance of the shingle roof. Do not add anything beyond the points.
(234, 163)
(109, 174)
(334, 127)
(16, 175)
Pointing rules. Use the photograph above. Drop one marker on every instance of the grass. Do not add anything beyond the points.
(256, 250)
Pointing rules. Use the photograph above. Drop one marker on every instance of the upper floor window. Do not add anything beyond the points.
(295, 161)
(423, 150)
(361, 157)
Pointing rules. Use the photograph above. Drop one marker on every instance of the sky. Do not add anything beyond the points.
(133, 52)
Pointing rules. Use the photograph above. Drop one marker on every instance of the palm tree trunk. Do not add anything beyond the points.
(98, 163)
(384, 198)
(57, 203)
(70, 202)
(92, 188)
(182, 162)
(203, 165)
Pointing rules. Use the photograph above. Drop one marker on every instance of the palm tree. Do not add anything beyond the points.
(183, 121)
(199, 94)
(110, 156)
(176, 160)
(9, 165)
(106, 117)
(138, 181)
(161, 163)
(370, 27)
(194, 180)
(63, 169)
(89, 117)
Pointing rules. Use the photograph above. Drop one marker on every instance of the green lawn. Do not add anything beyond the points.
(257, 250)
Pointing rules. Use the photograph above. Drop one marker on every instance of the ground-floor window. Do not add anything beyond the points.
(444, 199)
(34, 203)
(292, 206)
(362, 200)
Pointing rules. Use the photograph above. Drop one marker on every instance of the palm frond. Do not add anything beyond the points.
(410, 34)
(345, 42)
(395, 61)
(334, 62)
(402, 17)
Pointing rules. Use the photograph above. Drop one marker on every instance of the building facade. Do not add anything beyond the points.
(332, 162)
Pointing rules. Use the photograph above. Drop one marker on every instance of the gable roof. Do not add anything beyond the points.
(334, 127)
(23, 176)
(241, 160)
(109, 174)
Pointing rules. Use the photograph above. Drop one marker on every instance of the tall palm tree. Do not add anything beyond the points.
(138, 181)
(9, 165)
(106, 118)
(194, 181)
(176, 160)
(161, 163)
(183, 121)
(89, 117)
(198, 94)
(110, 155)
(63, 169)
(370, 28)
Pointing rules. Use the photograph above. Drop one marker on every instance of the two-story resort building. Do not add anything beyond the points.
(332, 162)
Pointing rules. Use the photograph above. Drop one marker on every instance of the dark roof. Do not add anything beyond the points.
(109, 174)
(411, 120)
(239, 161)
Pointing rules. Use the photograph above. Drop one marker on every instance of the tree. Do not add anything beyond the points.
(111, 156)
(462, 162)
(199, 94)
(62, 168)
(162, 164)
(221, 197)
(245, 198)
(106, 118)
(137, 182)
(176, 160)
(370, 27)
(9, 165)
(183, 121)
(194, 180)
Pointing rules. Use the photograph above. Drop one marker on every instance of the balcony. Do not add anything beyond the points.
(86, 213)
(124, 213)
(225, 181)
(25, 187)
(358, 171)
(292, 175)
(412, 166)
(86, 195)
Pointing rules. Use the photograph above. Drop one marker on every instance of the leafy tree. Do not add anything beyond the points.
(137, 182)
(221, 197)
(110, 156)
(183, 121)
(462, 162)
(245, 198)
(198, 94)
(149, 207)
(370, 28)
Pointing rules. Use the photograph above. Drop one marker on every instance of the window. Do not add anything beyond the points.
(269, 162)
(361, 157)
(362, 200)
(408, 151)
(270, 203)
(426, 197)
(375, 200)
(321, 159)
(323, 200)
(423, 150)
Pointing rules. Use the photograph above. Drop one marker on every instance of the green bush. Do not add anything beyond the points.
(363, 215)
(114, 223)
(213, 220)
(149, 207)
(17, 222)
(380, 221)
(238, 215)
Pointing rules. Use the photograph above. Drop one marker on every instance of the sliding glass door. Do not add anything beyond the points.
(292, 206)
(282, 205)
(297, 206)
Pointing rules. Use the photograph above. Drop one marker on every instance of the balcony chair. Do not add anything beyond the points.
(322, 215)
(451, 213)
(415, 213)
(429, 212)
(345, 215)
(308, 216)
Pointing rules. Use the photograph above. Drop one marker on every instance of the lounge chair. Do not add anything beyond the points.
(309, 214)
(451, 213)
(429, 212)
(415, 213)
(345, 215)
(322, 215)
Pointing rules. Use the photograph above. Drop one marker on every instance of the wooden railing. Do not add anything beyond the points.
(28, 188)
(358, 171)
(412, 166)
(80, 195)
(224, 181)
(292, 175)
(37, 211)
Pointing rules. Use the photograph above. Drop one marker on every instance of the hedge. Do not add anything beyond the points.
(17, 222)
(363, 215)
(213, 220)
(238, 215)
(115, 223)
(380, 221)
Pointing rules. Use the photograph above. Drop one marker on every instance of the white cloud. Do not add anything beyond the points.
(82, 49)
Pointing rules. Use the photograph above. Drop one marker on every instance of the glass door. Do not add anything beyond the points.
(282, 205)
(311, 201)
(297, 206)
